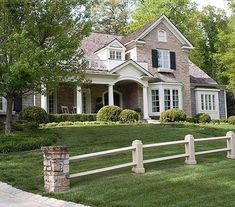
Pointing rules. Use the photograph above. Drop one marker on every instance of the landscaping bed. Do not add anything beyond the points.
(169, 183)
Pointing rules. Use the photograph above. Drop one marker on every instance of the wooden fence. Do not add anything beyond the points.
(138, 161)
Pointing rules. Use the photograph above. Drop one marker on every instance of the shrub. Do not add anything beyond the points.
(22, 141)
(109, 113)
(202, 118)
(173, 115)
(35, 114)
(231, 120)
(128, 116)
(71, 117)
(216, 121)
(24, 125)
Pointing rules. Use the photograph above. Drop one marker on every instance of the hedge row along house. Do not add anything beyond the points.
(148, 69)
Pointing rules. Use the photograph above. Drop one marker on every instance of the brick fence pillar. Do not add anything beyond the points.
(56, 168)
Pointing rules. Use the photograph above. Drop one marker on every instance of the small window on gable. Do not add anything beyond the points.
(161, 35)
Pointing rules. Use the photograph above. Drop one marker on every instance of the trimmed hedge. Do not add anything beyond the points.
(23, 141)
(71, 117)
(231, 120)
(109, 113)
(35, 114)
(23, 125)
(128, 116)
(202, 118)
(173, 115)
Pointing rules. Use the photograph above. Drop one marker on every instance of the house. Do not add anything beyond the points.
(147, 69)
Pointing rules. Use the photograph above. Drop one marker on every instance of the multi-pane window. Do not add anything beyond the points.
(1, 103)
(161, 36)
(115, 55)
(167, 99)
(84, 103)
(51, 102)
(163, 59)
(175, 94)
(208, 102)
(155, 101)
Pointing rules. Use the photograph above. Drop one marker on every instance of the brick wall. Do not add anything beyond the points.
(144, 53)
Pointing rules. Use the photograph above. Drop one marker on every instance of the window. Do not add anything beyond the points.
(161, 35)
(1, 103)
(175, 99)
(155, 101)
(167, 99)
(208, 102)
(115, 55)
(163, 59)
(51, 103)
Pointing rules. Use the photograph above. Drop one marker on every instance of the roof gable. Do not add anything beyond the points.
(146, 29)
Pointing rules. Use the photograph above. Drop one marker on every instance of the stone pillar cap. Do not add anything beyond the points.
(55, 149)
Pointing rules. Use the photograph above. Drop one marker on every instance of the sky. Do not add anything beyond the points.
(218, 3)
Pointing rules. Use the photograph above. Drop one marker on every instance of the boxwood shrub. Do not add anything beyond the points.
(128, 116)
(109, 113)
(231, 120)
(35, 114)
(173, 115)
(202, 118)
(71, 117)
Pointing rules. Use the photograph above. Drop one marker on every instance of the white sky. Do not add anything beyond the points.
(218, 3)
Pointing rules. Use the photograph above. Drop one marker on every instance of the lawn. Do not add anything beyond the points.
(171, 183)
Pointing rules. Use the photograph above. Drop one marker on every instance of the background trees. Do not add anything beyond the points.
(38, 43)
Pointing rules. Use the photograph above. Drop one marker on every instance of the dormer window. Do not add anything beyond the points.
(115, 55)
(161, 35)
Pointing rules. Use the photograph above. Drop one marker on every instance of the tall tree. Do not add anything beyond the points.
(38, 43)
(111, 16)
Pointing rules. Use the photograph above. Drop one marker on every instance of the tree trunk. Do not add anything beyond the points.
(9, 115)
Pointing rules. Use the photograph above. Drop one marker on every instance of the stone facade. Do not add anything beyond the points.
(56, 168)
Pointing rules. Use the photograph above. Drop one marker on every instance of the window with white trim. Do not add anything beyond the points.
(115, 55)
(155, 101)
(171, 99)
(208, 102)
(161, 36)
(164, 59)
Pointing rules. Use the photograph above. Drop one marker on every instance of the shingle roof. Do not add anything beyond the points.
(96, 41)
(136, 33)
(198, 76)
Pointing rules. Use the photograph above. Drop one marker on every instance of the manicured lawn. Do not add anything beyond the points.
(169, 183)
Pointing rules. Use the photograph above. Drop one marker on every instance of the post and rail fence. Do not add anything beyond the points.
(56, 159)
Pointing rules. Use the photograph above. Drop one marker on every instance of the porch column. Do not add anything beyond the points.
(44, 102)
(145, 102)
(79, 100)
(110, 93)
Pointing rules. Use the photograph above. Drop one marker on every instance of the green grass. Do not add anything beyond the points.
(171, 183)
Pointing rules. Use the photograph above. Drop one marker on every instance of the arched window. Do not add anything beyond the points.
(161, 36)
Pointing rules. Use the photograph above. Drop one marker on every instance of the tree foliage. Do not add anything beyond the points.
(111, 16)
(38, 43)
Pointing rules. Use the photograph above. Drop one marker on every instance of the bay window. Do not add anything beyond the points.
(155, 101)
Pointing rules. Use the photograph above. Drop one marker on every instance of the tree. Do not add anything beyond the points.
(38, 43)
(111, 16)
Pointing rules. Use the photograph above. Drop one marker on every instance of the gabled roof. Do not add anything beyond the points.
(135, 64)
(95, 41)
(198, 76)
(110, 43)
(146, 29)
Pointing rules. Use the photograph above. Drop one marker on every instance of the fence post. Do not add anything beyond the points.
(56, 168)
(137, 156)
(231, 145)
(190, 150)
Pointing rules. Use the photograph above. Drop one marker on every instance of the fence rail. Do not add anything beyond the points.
(61, 154)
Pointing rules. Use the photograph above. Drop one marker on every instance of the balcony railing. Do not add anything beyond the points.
(110, 64)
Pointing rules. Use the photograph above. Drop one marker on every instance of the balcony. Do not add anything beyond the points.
(97, 64)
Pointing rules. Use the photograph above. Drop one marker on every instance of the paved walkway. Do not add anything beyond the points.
(13, 197)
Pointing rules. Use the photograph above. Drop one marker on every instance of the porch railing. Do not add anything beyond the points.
(61, 154)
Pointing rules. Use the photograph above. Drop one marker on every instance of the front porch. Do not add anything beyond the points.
(126, 94)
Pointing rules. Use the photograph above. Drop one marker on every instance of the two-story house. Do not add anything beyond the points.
(147, 69)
